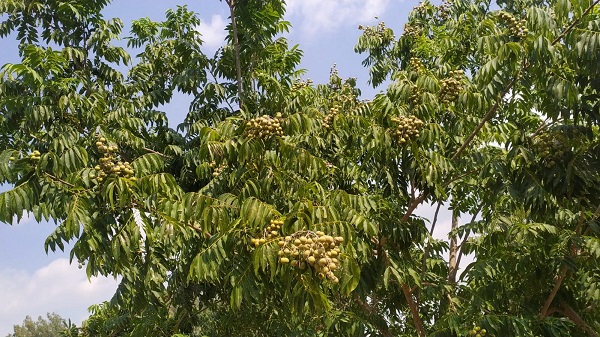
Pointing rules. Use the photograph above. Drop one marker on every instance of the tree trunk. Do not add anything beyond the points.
(452, 263)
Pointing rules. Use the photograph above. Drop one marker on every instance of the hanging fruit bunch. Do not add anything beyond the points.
(416, 64)
(35, 155)
(264, 127)
(478, 332)
(297, 85)
(328, 120)
(412, 30)
(108, 164)
(415, 95)
(407, 128)
(451, 86)
(516, 27)
(217, 169)
(315, 250)
(553, 147)
(269, 233)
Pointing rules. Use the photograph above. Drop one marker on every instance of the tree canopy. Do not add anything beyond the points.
(53, 326)
(280, 207)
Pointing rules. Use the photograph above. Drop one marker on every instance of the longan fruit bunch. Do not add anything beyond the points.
(375, 31)
(407, 128)
(416, 64)
(443, 10)
(297, 85)
(516, 27)
(264, 127)
(411, 30)
(478, 332)
(315, 250)
(35, 155)
(451, 86)
(552, 147)
(328, 120)
(415, 96)
(217, 169)
(108, 163)
(269, 233)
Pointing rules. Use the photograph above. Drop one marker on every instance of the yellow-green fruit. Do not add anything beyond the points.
(284, 260)
(11, 158)
(311, 259)
(262, 240)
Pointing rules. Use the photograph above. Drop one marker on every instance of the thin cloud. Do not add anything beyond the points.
(213, 32)
(58, 287)
(327, 15)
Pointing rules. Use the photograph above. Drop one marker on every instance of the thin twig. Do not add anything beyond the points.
(156, 152)
(58, 179)
(575, 22)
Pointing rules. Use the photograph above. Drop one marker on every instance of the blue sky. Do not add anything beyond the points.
(33, 283)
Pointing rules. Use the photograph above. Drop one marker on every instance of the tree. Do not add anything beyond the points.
(279, 207)
(53, 326)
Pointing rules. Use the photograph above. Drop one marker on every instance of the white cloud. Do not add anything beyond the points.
(326, 15)
(58, 287)
(213, 32)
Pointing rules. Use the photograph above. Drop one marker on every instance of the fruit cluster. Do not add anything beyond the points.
(552, 147)
(411, 30)
(443, 10)
(451, 86)
(269, 233)
(407, 128)
(517, 28)
(35, 155)
(108, 164)
(416, 64)
(421, 9)
(478, 332)
(415, 96)
(328, 120)
(217, 169)
(378, 31)
(264, 127)
(297, 85)
(308, 249)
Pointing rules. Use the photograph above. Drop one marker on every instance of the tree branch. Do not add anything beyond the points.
(571, 314)
(557, 283)
(575, 22)
(414, 310)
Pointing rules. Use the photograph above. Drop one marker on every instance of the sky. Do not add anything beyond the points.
(34, 283)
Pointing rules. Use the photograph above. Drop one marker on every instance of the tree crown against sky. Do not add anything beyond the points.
(51, 326)
(280, 207)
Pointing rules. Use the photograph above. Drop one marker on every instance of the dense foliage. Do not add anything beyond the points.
(53, 326)
(283, 208)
